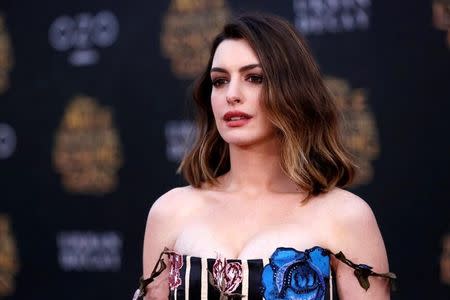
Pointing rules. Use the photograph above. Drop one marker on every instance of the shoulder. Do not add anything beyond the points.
(174, 195)
(175, 203)
(172, 210)
(347, 208)
(167, 216)
(354, 229)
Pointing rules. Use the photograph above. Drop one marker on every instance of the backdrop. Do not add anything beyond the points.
(94, 118)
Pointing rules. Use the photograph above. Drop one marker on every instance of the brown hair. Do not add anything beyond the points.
(296, 102)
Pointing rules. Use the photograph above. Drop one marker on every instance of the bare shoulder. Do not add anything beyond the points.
(355, 232)
(166, 218)
(354, 229)
(172, 210)
(169, 204)
(347, 208)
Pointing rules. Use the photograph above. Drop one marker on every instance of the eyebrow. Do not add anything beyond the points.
(241, 69)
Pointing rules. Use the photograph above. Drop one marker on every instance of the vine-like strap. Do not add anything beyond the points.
(362, 272)
(157, 270)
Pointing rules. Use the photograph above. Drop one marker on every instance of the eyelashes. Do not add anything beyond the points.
(255, 78)
(219, 82)
(252, 78)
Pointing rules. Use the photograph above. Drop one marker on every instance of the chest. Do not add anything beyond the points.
(250, 229)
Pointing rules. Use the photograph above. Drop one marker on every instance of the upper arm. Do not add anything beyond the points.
(357, 235)
(161, 231)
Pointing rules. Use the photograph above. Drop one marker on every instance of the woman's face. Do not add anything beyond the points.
(238, 81)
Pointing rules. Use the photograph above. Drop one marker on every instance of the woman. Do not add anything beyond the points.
(264, 215)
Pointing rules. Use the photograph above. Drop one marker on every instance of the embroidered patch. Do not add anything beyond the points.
(226, 277)
(292, 274)
(176, 263)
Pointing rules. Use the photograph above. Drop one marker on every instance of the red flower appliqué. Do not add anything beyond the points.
(226, 276)
(176, 263)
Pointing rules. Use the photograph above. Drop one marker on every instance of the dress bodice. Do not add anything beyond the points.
(287, 274)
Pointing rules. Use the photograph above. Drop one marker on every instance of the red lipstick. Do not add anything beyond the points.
(236, 118)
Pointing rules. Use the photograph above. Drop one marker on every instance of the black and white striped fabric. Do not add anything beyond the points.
(197, 286)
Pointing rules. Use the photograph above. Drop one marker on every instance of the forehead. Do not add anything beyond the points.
(234, 53)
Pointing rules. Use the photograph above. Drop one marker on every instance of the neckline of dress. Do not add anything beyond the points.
(308, 250)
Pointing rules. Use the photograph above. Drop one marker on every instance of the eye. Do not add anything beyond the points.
(255, 78)
(217, 82)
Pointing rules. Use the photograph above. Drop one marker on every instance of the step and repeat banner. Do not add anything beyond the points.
(95, 117)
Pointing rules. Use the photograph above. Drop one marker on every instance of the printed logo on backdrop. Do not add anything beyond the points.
(317, 17)
(9, 264)
(360, 132)
(87, 150)
(6, 56)
(89, 251)
(188, 29)
(8, 140)
(441, 17)
(83, 35)
(179, 138)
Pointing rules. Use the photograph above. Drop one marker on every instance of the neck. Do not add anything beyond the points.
(257, 169)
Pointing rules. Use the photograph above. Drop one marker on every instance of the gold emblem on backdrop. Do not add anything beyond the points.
(87, 150)
(444, 262)
(359, 127)
(187, 32)
(6, 56)
(441, 17)
(9, 264)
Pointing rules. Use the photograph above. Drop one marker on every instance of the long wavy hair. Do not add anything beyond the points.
(295, 100)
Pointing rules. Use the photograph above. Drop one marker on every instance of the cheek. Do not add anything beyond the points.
(215, 106)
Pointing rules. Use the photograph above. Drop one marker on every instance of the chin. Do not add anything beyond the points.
(246, 138)
(246, 141)
(241, 142)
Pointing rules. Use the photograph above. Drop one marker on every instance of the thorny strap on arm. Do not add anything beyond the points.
(362, 272)
(157, 270)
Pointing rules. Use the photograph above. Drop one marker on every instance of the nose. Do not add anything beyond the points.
(233, 100)
(233, 95)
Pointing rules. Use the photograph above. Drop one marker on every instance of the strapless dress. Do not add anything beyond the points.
(287, 274)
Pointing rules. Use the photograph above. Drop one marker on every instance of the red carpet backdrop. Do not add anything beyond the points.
(95, 116)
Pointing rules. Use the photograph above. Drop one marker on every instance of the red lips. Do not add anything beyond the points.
(236, 118)
(229, 116)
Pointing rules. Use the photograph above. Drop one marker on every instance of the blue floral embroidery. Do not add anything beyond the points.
(292, 274)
